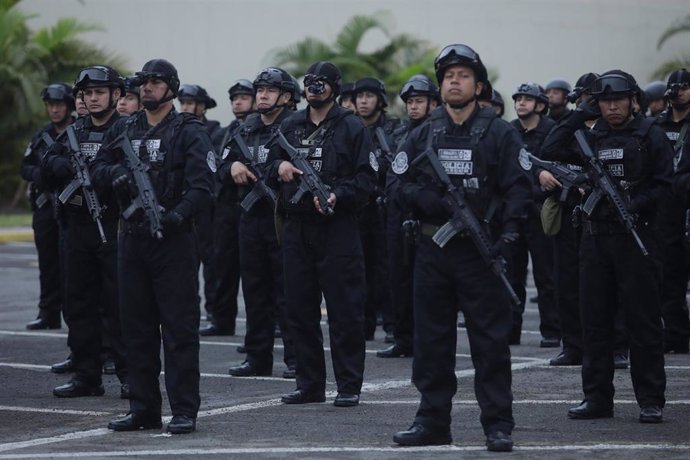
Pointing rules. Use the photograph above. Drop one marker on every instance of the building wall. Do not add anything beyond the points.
(214, 42)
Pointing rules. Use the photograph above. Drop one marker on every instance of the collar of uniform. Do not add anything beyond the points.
(335, 111)
(463, 128)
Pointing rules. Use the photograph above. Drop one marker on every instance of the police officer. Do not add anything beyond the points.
(671, 222)
(530, 103)
(557, 91)
(497, 103)
(59, 103)
(227, 215)
(90, 248)
(346, 99)
(261, 259)
(614, 273)
(480, 153)
(371, 102)
(323, 253)
(194, 99)
(159, 273)
(656, 97)
(130, 102)
(420, 96)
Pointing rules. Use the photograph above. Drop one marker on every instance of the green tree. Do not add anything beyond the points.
(28, 62)
(683, 61)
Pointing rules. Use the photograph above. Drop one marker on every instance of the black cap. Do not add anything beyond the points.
(196, 93)
(163, 70)
(328, 72)
(374, 85)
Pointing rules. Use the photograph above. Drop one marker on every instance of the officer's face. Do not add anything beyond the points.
(81, 105)
(556, 97)
(153, 90)
(366, 103)
(193, 107)
(416, 107)
(459, 85)
(57, 111)
(616, 111)
(328, 90)
(657, 106)
(267, 97)
(525, 105)
(683, 95)
(128, 104)
(97, 99)
(346, 102)
(242, 103)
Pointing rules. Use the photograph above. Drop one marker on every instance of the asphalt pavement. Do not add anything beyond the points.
(243, 417)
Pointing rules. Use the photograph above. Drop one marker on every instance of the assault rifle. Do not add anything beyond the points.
(309, 180)
(566, 176)
(145, 201)
(82, 179)
(260, 189)
(463, 219)
(383, 143)
(605, 187)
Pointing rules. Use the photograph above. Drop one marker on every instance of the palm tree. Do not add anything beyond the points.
(399, 58)
(680, 26)
(28, 62)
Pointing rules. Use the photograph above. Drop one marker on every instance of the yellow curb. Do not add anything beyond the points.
(12, 237)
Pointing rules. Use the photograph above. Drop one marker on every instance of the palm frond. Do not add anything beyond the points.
(681, 25)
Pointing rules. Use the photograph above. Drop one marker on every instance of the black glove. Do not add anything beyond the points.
(60, 167)
(57, 148)
(121, 181)
(589, 109)
(502, 246)
(172, 220)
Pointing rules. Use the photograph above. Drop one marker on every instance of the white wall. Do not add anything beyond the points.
(214, 42)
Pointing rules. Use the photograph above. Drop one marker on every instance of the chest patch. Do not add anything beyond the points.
(400, 164)
(211, 161)
(456, 162)
(524, 160)
(616, 170)
(89, 149)
(373, 161)
(152, 148)
(672, 136)
(611, 154)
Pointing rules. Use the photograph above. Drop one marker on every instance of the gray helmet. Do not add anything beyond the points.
(419, 85)
(196, 93)
(60, 92)
(275, 77)
(297, 95)
(241, 86)
(374, 85)
(459, 54)
(529, 89)
(655, 90)
(559, 84)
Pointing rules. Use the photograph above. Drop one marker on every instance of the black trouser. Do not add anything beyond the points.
(567, 244)
(674, 307)
(540, 248)
(614, 274)
(324, 255)
(401, 271)
(91, 296)
(261, 263)
(47, 239)
(372, 234)
(443, 279)
(227, 264)
(207, 254)
(159, 284)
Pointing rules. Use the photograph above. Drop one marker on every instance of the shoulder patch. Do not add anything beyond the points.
(523, 158)
(400, 165)
(373, 161)
(211, 160)
(27, 152)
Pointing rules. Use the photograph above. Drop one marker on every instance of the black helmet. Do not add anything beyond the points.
(347, 90)
(374, 85)
(98, 75)
(529, 89)
(276, 77)
(196, 93)
(241, 86)
(297, 94)
(323, 71)
(419, 85)
(583, 85)
(161, 70)
(496, 98)
(614, 83)
(677, 79)
(559, 84)
(655, 90)
(131, 87)
(60, 92)
(459, 54)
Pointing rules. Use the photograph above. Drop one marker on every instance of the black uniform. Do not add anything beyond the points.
(261, 257)
(46, 230)
(539, 247)
(613, 271)
(159, 278)
(227, 246)
(91, 279)
(372, 227)
(671, 227)
(481, 156)
(324, 254)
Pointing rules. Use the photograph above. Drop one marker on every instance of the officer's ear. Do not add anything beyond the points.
(285, 97)
(479, 86)
(539, 107)
(117, 93)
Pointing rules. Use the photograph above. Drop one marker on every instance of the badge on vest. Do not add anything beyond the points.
(524, 160)
(456, 162)
(211, 161)
(611, 154)
(263, 154)
(89, 149)
(152, 147)
(399, 164)
(672, 136)
(373, 161)
(616, 170)
(226, 152)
